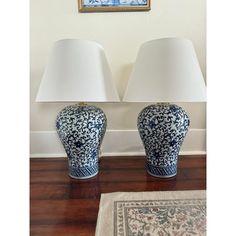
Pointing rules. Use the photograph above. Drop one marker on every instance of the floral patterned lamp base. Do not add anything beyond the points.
(81, 129)
(162, 128)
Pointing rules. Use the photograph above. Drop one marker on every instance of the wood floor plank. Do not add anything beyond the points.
(63, 230)
(91, 191)
(62, 206)
(72, 211)
(60, 164)
(115, 175)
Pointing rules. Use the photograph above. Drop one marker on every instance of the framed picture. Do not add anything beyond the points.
(114, 5)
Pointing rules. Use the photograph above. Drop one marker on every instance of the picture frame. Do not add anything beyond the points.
(113, 5)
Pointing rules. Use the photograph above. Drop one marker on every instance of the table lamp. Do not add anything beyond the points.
(78, 71)
(166, 71)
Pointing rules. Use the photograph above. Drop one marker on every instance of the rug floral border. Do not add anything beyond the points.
(180, 215)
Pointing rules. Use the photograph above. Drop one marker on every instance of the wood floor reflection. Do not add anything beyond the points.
(60, 205)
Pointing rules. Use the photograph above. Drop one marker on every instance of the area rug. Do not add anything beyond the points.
(165, 213)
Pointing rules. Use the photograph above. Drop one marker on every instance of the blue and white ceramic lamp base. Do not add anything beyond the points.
(81, 129)
(162, 128)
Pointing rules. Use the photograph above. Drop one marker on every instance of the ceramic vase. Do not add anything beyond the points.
(81, 130)
(162, 128)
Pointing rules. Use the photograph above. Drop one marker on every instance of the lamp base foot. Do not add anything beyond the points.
(85, 177)
(162, 172)
(84, 172)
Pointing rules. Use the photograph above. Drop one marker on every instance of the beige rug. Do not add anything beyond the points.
(177, 213)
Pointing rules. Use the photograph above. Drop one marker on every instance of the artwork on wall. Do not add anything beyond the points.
(114, 5)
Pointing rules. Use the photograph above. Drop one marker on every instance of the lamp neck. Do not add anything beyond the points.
(163, 103)
(82, 104)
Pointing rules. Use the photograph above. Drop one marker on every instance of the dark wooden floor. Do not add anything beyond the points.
(60, 205)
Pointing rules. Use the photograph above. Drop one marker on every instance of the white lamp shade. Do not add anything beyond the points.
(166, 70)
(77, 71)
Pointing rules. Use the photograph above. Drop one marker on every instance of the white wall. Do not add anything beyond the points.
(121, 34)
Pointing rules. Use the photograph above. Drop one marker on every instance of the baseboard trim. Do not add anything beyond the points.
(116, 143)
(114, 154)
